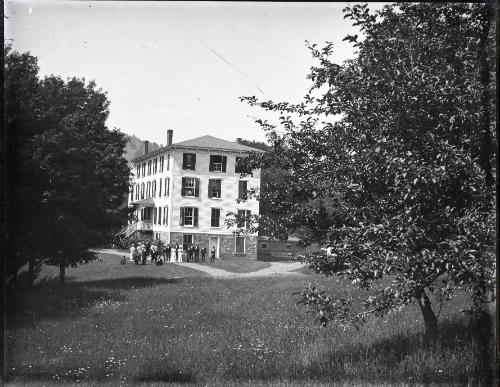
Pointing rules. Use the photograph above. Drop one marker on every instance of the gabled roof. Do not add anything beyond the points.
(207, 142)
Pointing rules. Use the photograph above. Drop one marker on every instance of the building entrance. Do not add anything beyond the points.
(214, 241)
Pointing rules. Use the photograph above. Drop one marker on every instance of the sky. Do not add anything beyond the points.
(181, 65)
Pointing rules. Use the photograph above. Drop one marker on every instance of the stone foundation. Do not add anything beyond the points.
(226, 243)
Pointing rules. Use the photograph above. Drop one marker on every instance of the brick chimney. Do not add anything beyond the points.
(170, 134)
(146, 147)
(238, 140)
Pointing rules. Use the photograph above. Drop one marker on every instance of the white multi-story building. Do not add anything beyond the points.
(183, 191)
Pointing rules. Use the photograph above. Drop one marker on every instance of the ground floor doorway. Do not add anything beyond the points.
(213, 242)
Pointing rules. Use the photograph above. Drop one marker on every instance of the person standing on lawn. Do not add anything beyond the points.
(190, 253)
(154, 250)
(168, 253)
(203, 253)
(139, 252)
(132, 252)
(177, 252)
(197, 253)
(212, 255)
(145, 252)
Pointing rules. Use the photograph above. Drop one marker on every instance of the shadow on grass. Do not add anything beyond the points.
(51, 301)
(410, 357)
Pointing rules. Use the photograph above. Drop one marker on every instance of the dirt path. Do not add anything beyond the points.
(276, 268)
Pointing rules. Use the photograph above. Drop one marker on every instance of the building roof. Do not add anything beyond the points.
(207, 142)
(214, 143)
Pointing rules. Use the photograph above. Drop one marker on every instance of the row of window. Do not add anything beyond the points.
(155, 215)
(218, 163)
(152, 167)
(190, 188)
(148, 190)
(189, 216)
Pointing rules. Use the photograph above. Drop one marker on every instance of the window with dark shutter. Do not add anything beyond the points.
(195, 217)
(190, 186)
(237, 168)
(167, 186)
(214, 188)
(189, 161)
(241, 218)
(215, 217)
(197, 187)
(217, 163)
(242, 189)
(189, 216)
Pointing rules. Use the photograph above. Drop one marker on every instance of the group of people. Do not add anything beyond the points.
(160, 253)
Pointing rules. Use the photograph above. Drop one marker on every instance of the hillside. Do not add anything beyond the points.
(135, 147)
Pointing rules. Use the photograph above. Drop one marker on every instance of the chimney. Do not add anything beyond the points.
(170, 134)
(146, 147)
(238, 140)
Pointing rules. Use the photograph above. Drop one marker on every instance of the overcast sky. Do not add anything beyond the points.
(180, 66)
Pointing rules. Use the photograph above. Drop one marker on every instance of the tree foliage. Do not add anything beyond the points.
(402, 185)
(67, 176)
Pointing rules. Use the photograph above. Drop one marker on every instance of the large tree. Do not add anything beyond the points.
(402, 183)
(69, 176)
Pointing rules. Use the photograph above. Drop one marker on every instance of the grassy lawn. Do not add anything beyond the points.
(237, 265)
(141, 328)
(109, 268)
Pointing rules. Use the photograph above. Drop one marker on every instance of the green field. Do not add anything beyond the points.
(117, 325)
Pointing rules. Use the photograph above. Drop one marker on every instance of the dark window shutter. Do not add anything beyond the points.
(194, 162)
(211, 164)
(159, 191)
(181, 217)
(210, 188)
(241, 220)
(183, 189)
(240, 190)
(184, 158)
(197, 187)
(195, 217)
(224, 162)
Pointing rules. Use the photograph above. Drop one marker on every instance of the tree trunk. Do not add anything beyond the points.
(430, 319)
(62, 269)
